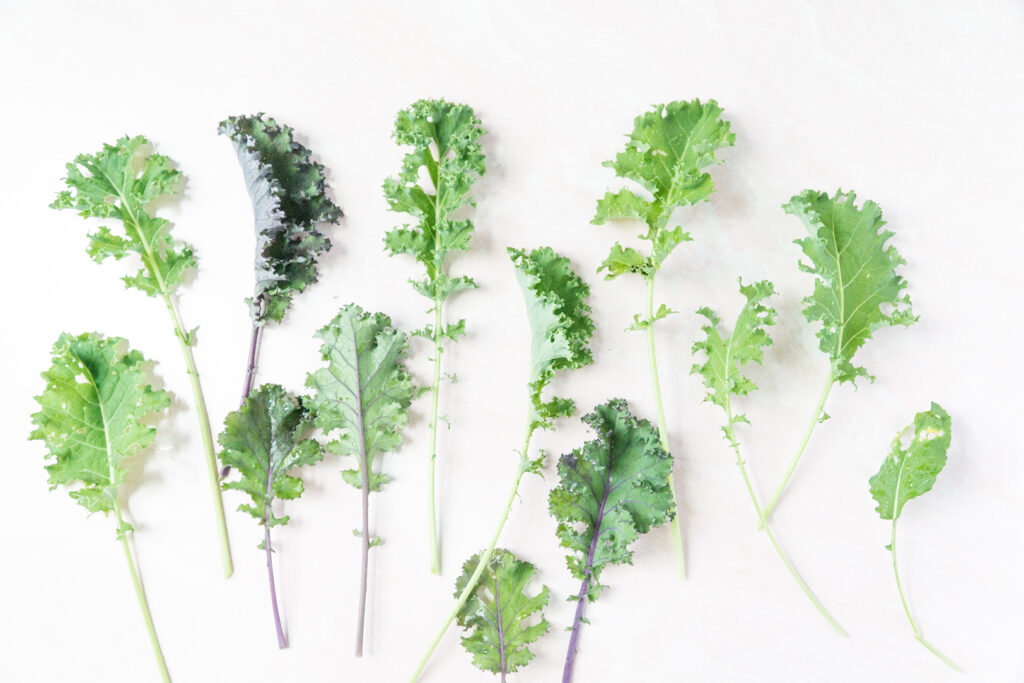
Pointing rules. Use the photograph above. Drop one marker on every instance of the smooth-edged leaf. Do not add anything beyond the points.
(498, 613)
(559, 322)
(857, 289)
(265, 441)
(725, 357)
(119, 182)
(92, 416)
(364, 391)
(435, 180)
(910, 471)
(667, 154)
(610, 491)
(289, 201)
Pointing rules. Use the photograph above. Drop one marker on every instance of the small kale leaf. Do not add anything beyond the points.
(666, 154)
(857, 289)
(611, 491)
(725, 357)
(497, 613)
(910, 471)
(120, 181)
(560, 324)
(265, 440)
(364, 392)
(289, 199)
(92, 417)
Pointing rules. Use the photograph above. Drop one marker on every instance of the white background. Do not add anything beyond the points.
(917, 105)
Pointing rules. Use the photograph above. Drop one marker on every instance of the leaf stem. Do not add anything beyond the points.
(730, 433)
(250, 374)
(918, 636)
(364, 536)
(815, 419)
(140, 594)
(282, 642)
(184, 343)
(485, 557)
(435, 548)
(677, 536)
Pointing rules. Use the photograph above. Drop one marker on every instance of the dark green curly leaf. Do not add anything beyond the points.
(498, 611)
(364, 392)
(725, 358)
(559, 321)
(666, 154)
(265, 441)
(856, 290)
(445, 149)
(119, 182)
(610, 491)
(92, 415)
(909, 472)
(289, 200)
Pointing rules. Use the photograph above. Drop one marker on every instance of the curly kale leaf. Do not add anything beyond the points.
(911, 471)
(560, 324)
(611, 491)
(289, 200)
(498, 611)
(857, 289)
(364, 391)
(265, 441)
(666, 154)
(450, 131)
(92, 415)
(725, 358)
(119, 182)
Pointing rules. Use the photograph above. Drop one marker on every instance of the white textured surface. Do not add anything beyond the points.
(917, 105)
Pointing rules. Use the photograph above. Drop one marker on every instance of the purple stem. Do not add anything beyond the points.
(581, 598)
(282, 642)
(501, 629)
(250, 372)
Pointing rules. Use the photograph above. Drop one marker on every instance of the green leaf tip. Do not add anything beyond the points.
(910, 470)
(726, 356)
(559, 321)
(443, 137)
(290, 200)
(611, 490)
(121, 181)
(666, 154)
(93, 415)
(498, 611)
(857, 289)
(265, 441)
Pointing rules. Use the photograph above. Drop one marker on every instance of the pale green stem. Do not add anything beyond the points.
(435, 549)
(677, 535)
(815, 419)
(484, 558)
(906, 608)
(730, 432)
(140, 594)
(207, 436)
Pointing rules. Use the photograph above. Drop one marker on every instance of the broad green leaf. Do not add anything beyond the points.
(498, 612)
(910, 471)
(120, 181)
(559, 321)
(265, 441)
(445, 151)
(666, 154)
(611, 491)
(725, 357)
(857, 289)
(93, 415)
(364, 391)
(289, 200)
